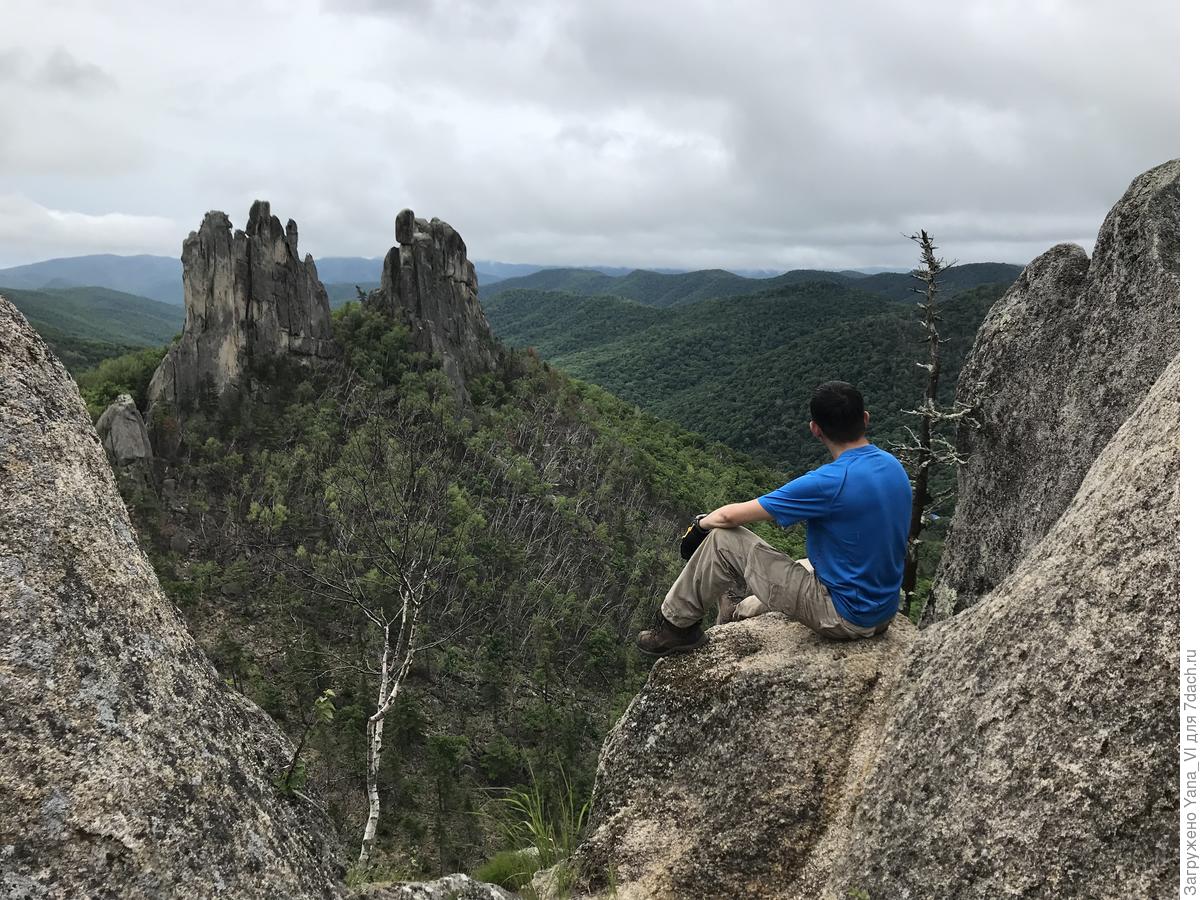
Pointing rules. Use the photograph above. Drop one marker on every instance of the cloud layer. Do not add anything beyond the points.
(692, 134)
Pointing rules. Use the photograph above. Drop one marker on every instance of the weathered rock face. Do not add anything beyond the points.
(127, 768)
(449, 887)
(1058, 364)
(430, 283)
(1024, 748)
(1032, 752)
(736, 771)
(248, 295)
(123, 435)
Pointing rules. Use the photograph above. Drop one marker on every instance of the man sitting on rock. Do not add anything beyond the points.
(858, 509)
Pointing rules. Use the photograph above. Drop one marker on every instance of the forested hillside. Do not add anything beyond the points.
(156, 277)
(740, 370)
(546, 520)
(660, 289)
(87, 324)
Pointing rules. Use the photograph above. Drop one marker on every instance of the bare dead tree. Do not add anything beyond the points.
(926, 447)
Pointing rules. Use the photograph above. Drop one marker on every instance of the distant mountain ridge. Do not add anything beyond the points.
(87, 324)
(161, 277)
(157, 277)
(666, 289)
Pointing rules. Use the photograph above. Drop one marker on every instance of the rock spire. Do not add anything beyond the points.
(429, 282)
(247, 295)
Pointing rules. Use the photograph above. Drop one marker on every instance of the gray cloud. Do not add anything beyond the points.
(63, 71)
(765, 134)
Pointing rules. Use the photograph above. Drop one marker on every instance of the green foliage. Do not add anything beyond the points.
(676, 289)
(85, 325)
(741, 371)
(547, 523)
(511, 869)
(542, 826)
(321, 715)
(129, 373)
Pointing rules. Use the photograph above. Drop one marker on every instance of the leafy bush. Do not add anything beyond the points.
(128, 374)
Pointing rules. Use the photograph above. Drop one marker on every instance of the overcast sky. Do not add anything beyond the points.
(738, 134)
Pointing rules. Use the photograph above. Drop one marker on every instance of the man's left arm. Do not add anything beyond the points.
(731, 515)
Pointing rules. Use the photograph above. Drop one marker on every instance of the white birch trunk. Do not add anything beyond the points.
(374, 750)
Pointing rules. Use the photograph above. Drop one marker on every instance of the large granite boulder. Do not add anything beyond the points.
(127, 767)
(736, 771)
(248, 295)
(1032, 750)
(429, 283)
(124, 437)
(123, 433)
(1059, 363)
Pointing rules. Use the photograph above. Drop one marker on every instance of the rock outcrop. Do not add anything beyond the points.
(127, 767)
(1059, 363)
(124, 437)
(1024, 748)
(248, 295)
(736, 771)
(1032, 752)
(430, 284)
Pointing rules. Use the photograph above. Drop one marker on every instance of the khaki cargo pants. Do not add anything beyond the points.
(736, 557)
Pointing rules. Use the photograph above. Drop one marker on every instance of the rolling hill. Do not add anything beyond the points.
(157, 277)
(87, 324)
(741, 371)
(665, 289)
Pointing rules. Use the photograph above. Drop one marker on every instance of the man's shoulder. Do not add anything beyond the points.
(884, 465)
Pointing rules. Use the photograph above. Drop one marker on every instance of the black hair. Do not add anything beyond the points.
(838, 408)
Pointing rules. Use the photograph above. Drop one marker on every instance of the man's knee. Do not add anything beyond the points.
(728, 538)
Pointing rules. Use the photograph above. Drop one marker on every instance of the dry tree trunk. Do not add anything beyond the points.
(928, 272)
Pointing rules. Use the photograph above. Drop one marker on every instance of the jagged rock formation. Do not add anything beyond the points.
(1058, 364)
(429, 283)
(1032, 752)
(736, 771)
(248, 295)
(127, 767)
(1028, 746)
(450, 887)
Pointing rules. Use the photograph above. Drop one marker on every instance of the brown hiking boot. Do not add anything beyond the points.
(665, 638)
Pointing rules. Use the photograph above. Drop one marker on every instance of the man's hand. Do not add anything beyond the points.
(734, 514)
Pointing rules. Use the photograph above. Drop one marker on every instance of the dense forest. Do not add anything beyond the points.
(85, 325)
(740, 370)
(545, 521)
(676, 289)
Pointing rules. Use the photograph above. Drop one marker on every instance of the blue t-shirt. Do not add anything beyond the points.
(858, 510)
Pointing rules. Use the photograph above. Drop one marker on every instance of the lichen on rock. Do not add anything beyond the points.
(448, 887)
(1039, 728)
